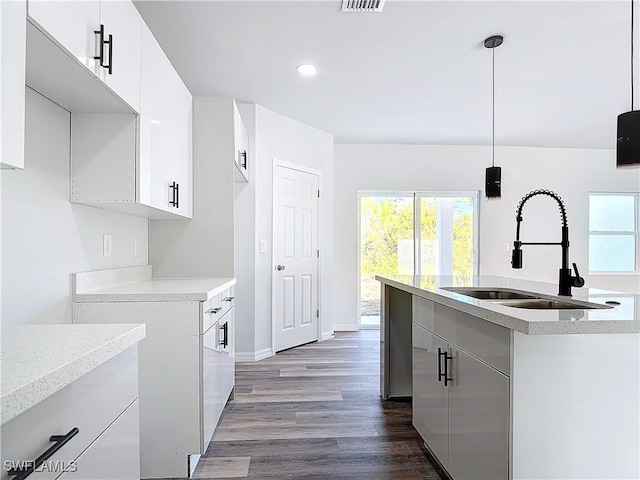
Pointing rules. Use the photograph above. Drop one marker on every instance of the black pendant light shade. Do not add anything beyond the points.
(628, 145)
(492, 179)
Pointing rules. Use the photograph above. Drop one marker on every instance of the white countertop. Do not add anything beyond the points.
(39, 360)
(624, 318)
(158, 290)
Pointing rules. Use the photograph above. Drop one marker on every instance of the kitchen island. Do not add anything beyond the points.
(504, 390)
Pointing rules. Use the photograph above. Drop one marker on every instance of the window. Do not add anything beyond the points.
(614, 233)
(429, 233)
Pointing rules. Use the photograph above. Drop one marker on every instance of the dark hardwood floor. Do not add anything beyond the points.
(315, 412)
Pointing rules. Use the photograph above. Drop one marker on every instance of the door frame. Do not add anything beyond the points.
(301, 168)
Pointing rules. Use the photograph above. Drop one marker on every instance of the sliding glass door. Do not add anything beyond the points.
(429, 233)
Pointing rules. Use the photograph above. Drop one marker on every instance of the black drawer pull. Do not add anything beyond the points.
(110, 66)
(228, 299)
(59, 442)
(214, 310)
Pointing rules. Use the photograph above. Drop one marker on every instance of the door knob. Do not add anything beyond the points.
(279, 267)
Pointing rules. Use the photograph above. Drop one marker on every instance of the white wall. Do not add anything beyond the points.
(290, 141)
(572, 173)
(245, 245)
(44, 237)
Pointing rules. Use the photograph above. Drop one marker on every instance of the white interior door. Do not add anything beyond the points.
(295, 254)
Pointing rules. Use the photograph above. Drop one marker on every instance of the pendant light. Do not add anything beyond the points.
(628, 138)
(493, 174)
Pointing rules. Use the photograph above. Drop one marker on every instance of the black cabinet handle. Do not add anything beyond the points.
(100, 56)
(228, 299)
(177, 195)
(173, 201)
(243, 159)
(59, 442)
(109, 67)
(225, 335)
(102, 42)
(444, 375)
(214, 310)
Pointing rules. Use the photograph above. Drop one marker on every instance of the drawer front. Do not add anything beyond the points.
(216, 307)
(115, 454)
(482, 339)
(90, 404)
(211, 312)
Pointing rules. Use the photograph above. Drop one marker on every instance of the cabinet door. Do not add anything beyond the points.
(181, 145)
(13, 54)
(115, 454)
(72, 24)
(241, 142)
(211, 398)
(155, 124)
(122, 20)
(478, 421)
(430, 396)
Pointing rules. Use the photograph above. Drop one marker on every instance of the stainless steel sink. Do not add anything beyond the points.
(547, 304)
(491, 293)
(519, 299)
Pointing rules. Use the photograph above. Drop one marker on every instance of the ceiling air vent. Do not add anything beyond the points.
(362, 5)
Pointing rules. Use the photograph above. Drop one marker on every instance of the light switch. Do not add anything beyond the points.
(263, 246)
(505, 247)
(106, 245)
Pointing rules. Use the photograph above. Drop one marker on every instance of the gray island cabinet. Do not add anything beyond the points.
(501, 392)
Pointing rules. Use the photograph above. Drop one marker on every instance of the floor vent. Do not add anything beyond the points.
(362, 5)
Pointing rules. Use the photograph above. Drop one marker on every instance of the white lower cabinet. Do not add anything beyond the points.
(103, 406)
(186, 374)
(114, 454)
(460, 402)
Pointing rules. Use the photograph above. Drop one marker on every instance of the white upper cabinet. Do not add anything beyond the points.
(102, 35)
(241, 140)
(155, 124)
(72, 24)
(181, 147)
(166, 116)
(12, 79)
(123, 27)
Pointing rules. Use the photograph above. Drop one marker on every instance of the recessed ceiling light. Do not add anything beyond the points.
(306, 69)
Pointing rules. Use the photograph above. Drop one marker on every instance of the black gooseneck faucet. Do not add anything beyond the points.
(566, 280)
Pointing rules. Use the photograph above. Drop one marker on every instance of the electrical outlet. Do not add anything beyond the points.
(263, 246)
(106, 245)
(505, 247)
(136, 247)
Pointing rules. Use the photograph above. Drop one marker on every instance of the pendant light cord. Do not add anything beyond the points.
(632, 39)
(493, 107)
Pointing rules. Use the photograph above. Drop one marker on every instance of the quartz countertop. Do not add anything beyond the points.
(623, 318)
(158, 290)
(39, 360)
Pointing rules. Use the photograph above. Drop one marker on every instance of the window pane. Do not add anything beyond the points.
(386, 246)
(612, 253)
(614, 213)
(446, 235)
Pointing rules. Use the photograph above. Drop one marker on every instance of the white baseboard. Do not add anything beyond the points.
(326, 336)
(264, 353)
(242, 357)
(347, 327)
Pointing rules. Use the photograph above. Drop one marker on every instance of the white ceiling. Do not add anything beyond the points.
(417, 72)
